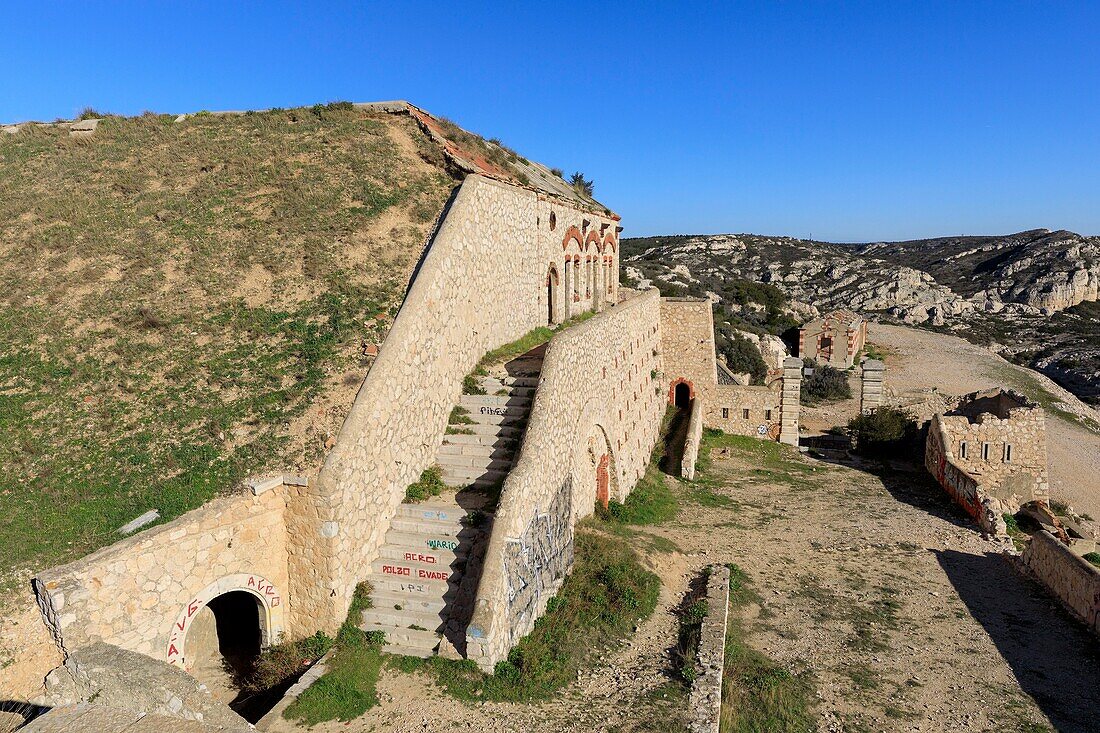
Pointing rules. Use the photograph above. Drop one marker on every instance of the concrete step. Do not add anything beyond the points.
(432, 511)
(406, 638)
(485, 463)
(458, 476)
(510, 380)
(419, 603)
(439, 544)
(484, 450)
(507, 416)
(404, 618)
(483, 430)
(404, 651)
(419, 552)
(410, 587)
(417, 570)
(495, 387)
(473, 402)
(427, 527)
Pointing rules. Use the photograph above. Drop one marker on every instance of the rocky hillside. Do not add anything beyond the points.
(189, 300)
(1031, 296)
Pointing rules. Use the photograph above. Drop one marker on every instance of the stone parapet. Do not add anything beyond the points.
(706, 690)
(873, 374)
(597, 409)
(1070, 578)
(693, 439)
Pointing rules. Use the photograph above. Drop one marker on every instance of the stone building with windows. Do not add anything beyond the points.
(990, 454)
(834, 339)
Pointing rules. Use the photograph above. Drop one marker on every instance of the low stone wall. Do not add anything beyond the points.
(593, 424)
(1070, 578)
(872, 374)
(141, 594)
(693, 439)
(706, 690)
(963, 488)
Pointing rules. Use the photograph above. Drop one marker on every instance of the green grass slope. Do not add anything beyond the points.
(184, 304)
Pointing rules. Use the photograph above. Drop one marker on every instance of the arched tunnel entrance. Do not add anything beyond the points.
(224, 641)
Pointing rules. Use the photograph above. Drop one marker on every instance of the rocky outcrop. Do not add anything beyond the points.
(124, 680)
(1031, 296)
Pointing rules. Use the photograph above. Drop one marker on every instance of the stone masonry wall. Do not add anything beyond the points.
(1071, 579)
(597, 397)
(498, 255)
(140, 594)
(706, 690)
(872, 374)
(991, 465)
(687, 338)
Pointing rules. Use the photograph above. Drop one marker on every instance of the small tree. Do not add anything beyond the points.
(825, 383)
(582, 185)
(886, 431)
(742, 356)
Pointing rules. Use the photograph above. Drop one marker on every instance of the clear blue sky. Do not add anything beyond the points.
(848, 121)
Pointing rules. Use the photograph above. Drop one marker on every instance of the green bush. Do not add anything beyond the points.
(887, 430)
(826, 383)
(1093, 557)
(280, 662)
(742, 355)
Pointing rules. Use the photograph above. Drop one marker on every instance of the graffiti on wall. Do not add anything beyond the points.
(540, 558)
(271, 617)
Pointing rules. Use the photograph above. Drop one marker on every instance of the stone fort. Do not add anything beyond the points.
(559, 430)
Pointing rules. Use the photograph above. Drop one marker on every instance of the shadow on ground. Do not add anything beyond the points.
(1056, 661)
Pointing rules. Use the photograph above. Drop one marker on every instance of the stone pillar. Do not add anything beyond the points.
(870, 392)
(788, 402)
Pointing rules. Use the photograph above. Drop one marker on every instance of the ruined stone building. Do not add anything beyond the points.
(834, 339)
(990, 454)
(687, 338)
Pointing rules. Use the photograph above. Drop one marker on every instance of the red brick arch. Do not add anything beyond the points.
(572, 233)
(609, 241)
(593, 236)
(675, 383)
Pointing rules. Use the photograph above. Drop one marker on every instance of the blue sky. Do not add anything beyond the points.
(845, 121)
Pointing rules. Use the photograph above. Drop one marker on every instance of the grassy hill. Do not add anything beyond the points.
(186, 303)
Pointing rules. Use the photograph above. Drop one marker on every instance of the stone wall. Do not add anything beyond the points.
(1071, 579)
(706, 690)
(503, 261)
(693, 439)
(872, 374)
(141, 594)
(598, 403)
(990, 453)
(27, 650)
(687, 338)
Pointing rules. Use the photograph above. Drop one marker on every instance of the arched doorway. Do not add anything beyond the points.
(551, 296)
(682, 397)
(224, 641)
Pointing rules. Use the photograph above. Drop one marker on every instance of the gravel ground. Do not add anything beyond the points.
(870, 579)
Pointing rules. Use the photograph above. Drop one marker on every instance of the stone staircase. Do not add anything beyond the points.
(424, 580)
